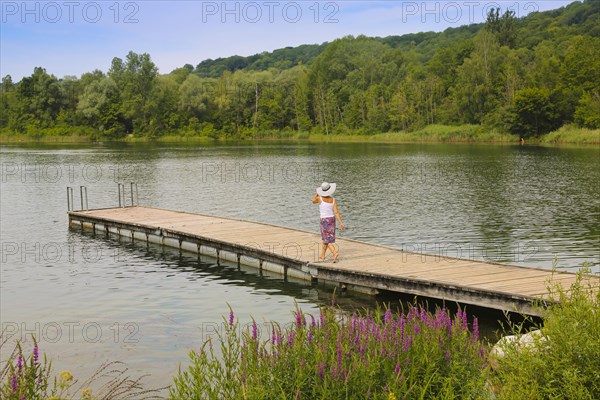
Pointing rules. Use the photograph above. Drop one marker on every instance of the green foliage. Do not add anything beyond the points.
(563, 362)
(411, 355)
(588, 111)
(502, 26)
(280, 59)
(527, 76)
(533, 113)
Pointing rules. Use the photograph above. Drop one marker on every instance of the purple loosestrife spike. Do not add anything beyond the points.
(402, 325)
(475, 328)
(14, 383)
(231, 317)
(254, 330)
(416, 329)
(406, 343)
(299, 320)
(321, 370)
(388, 316)
(312, 321)
(291, 338)
(36, 355)
(397, 369)
(465, 326)
(20, 363)
(310, 337)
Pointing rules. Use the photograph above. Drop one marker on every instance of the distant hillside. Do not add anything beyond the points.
(279, 59)
(581, 19)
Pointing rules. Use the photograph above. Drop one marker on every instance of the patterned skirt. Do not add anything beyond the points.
(328, 229)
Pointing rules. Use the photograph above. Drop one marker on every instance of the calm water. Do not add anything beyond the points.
(92, 300)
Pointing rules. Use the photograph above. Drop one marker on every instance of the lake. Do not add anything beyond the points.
(91, 299)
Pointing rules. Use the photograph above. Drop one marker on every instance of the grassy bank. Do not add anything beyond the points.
(571, 134)
(568, 134)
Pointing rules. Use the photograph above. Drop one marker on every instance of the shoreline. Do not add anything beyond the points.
(433, 134)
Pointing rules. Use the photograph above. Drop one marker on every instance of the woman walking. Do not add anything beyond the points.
(329, 211)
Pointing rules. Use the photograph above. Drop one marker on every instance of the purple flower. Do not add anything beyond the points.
(291, 338)
(388, 316)
(20, 363)
(299, 320)
(321, 370)
(231, 317)
(402, 325)
(423, 314)
(14, 383)
(310, 336)
(397, 369)
(312, 321)
(475, 328)
(407, 342)
(36, 354)
(254, 330)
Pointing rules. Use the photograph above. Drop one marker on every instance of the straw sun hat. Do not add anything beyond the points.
(326, 189)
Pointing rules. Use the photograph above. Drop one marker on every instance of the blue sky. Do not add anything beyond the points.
(72, 37)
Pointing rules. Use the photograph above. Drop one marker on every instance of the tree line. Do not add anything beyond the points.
(527, 76)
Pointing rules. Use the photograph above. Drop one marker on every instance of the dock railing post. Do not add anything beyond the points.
(81, 195)
(131, 190)
(70, 204)
(119, 189)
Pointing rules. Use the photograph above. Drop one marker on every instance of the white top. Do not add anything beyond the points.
(326, 209)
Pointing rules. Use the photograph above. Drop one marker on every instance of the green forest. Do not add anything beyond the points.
(518, 76)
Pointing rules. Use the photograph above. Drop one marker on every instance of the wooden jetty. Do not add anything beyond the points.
(361, 266)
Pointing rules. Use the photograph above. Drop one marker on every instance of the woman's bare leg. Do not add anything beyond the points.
(331, 247)
(323, 249)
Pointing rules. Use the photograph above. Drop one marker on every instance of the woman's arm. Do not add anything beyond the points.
(337, 214)
(316, 199)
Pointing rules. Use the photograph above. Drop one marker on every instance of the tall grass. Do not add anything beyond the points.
(563, 361)
(413, 355)
(27, 376)
(572, 134)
